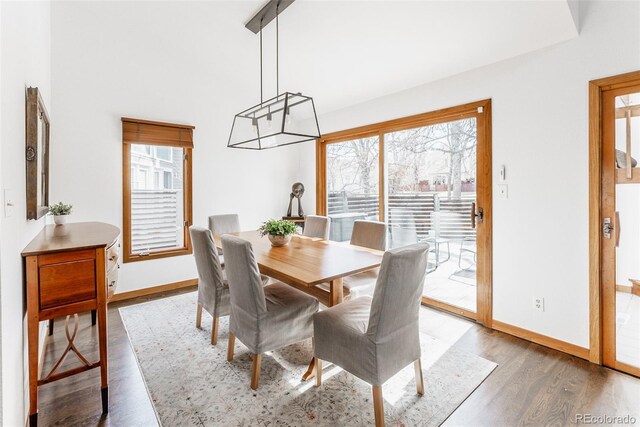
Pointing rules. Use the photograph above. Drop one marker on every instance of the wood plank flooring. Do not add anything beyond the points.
(532, 386)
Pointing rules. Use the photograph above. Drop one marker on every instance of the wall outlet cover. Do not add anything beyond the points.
(538, 303)
(503, 191)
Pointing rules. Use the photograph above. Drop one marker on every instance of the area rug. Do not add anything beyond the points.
(191, 383)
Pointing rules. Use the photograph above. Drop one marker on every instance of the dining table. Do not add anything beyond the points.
(309, 264)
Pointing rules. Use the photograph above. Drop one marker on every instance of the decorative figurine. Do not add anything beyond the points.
(297, 190)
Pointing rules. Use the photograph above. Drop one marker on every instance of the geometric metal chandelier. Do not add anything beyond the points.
(288, 118)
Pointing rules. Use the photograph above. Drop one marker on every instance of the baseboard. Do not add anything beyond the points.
(154, 290)
(544, 340)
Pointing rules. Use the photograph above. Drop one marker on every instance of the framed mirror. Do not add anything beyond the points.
(37, 155)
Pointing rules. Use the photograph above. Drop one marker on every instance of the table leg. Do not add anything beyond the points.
(448, 253)
(33, 338)
(336, 291)
(102, 326)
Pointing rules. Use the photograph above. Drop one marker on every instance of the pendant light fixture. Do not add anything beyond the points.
(288, 118)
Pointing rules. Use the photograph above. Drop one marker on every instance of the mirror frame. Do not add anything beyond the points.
(35, 113)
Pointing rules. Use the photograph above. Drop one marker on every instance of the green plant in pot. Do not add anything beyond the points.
(60, 211)
(279, 231)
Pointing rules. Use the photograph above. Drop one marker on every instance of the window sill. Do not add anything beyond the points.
(157, 255)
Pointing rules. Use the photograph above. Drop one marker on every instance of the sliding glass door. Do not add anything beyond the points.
(431, 189)
(428, 177)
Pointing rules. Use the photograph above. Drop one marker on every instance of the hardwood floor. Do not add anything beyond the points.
(532, 386)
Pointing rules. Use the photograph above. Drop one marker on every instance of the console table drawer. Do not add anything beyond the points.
(67, 282)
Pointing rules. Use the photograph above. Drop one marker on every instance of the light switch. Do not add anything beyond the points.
(503, 191)
(9, 203)
(503, 173)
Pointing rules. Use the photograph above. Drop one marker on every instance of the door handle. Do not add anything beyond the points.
(607, 228)
(474, 215)
(616, 229)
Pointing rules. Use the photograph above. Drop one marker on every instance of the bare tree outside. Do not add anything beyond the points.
(352, 166)
(438, 155)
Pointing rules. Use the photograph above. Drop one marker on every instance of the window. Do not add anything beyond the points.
(141, 149)
(140, 183)
(157, 189)
(164, 153)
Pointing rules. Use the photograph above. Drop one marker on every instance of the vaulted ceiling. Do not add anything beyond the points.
(346, 52)
(339, 52)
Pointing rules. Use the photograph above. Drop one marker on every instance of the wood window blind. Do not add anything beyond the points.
(136, 131)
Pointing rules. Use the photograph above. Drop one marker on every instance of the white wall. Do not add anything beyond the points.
(540, 132)
(114, 59)
(25, 47)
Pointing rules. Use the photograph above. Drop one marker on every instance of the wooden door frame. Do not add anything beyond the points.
(597, 88)
(481, 110)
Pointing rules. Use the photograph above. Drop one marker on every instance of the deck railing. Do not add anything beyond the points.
(426, 214)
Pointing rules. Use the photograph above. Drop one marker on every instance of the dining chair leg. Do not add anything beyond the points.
(378, 406)
(232, 343)
(214, 330)
(255, 371)
(419, 380)
(318, 372)
(199, 316)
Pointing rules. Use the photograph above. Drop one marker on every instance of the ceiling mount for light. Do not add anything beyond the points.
(288, 118)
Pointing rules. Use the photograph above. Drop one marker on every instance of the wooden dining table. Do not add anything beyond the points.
(307, 262)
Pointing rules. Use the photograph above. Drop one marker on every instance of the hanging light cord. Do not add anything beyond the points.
(277, 52)
(261, 98)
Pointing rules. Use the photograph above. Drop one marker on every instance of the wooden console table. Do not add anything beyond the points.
(70, 269)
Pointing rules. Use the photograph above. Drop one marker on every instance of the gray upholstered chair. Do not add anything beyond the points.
(372, 235)
(213, 289)
(263, 318)
(369, 234)
(221, 224)
(316, 226)
(374, 339)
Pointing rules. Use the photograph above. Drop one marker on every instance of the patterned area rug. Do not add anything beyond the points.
(191, 383)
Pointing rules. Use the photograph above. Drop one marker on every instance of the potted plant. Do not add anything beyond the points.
(60, 211)
(279, 231)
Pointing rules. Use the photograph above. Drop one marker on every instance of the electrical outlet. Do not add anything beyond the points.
(538, 303)
(503, 191)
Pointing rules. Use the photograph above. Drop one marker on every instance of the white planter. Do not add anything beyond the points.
(60, 219)
(279, 240)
